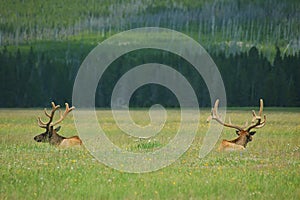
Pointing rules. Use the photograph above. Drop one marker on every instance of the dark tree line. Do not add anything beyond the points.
(34, 79)
(250, 76)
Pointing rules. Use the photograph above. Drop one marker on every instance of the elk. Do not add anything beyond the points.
(51, 136)
(244, 133)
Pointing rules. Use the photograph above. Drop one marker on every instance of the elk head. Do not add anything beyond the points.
(244, 133)
(50, 135)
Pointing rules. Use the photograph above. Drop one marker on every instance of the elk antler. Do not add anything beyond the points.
(62, 116)
(259, 123)
(215, 116)
(51, 115)
(46, 124)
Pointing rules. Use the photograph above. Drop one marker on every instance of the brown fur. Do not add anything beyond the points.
(55, 139)
(239, 143)
(51, 136)
(71, 141)
(244, 133)
(229, 146)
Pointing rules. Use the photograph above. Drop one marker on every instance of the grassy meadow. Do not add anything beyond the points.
(268, 169)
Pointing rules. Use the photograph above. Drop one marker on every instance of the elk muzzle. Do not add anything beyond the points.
(41, 137)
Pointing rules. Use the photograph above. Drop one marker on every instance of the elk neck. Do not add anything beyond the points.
(241, 140)
(56, 139)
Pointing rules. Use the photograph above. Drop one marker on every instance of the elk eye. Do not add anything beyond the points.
(252, 132)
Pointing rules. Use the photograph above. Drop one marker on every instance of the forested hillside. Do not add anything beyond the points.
(255, 44)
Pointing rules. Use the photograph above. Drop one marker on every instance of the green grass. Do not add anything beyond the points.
(268, 169)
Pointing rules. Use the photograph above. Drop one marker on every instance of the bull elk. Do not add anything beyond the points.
(51, 136)
(244, 133)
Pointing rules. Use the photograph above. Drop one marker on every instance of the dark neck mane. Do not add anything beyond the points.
(56, 139)
(241, 140)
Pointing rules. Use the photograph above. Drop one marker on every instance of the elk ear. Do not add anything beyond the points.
(237, 132)
(252, 132)
(57, 129)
